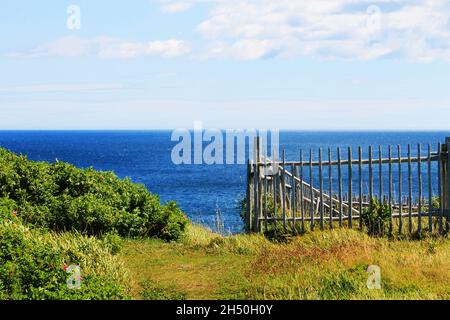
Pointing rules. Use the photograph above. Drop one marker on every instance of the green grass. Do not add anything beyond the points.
(318, 265)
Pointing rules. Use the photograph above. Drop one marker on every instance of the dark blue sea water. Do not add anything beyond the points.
(200, 190)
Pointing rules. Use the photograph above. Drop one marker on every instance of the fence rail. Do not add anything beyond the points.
(338, 188)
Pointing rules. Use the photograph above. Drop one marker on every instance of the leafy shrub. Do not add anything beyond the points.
(113, 242)
(241, 206)
(7, 209)
(376, 218)
(62, 197)
(435, 202)
(32, 265)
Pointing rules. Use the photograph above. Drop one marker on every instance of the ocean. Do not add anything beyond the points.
(202, 191)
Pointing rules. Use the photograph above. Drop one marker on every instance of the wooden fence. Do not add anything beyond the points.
(326, 188)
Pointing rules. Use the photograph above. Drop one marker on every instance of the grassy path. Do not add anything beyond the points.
(320, 265)
(175, 271)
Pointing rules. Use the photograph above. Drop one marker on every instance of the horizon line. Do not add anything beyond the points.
(204, 129)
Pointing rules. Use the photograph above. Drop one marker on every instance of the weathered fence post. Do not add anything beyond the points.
(447, 183)
(257, 185)
(283, 191)
(249, 201)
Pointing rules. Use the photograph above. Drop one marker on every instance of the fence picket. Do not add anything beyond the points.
(322, 208)
(410, 204)
(391, 213)
(440, 189)
(430, 193)
(330, 187)
(311, 203)
(302, 207)
(256, 188)
(419, 174)
(350, 188)
(400, 191)
(340, 185)
(249, 200)
(293, 197)
(275, 183)
(360, 187)
(266, 191)
(447, 183)
(380, 174)
(283, 192)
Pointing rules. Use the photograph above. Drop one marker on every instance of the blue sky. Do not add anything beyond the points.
(287, 64)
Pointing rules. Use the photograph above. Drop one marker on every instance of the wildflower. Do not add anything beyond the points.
(14, 213)
(65, 267)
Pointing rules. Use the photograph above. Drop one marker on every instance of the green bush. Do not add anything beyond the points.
(241, 206)
(62, 197)
(33, 265)
(112, 241)
(376, 218)
(435, 202)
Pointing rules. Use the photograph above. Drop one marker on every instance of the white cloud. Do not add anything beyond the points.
(414, 30)
(174, 7)
(108, 47)
(67, 46)
(244, 49)
(125, 49)
(61, 88)
(345, 29)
